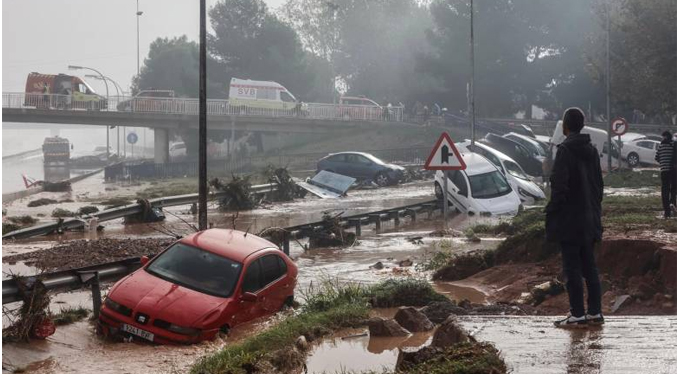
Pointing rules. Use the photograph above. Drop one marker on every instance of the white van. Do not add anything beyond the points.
(258, 96)
(479, 189)
(597, 137)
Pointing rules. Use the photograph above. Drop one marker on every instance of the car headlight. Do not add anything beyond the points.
(176, 328)
(118, 307)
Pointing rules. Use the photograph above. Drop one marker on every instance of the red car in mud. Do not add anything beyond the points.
(204, 283)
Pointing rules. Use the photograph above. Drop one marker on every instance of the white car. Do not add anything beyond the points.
(528, 191)
(479, 189)
(640, 151)
(177, 150)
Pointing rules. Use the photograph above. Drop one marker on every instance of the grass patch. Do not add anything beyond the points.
(60, 213)
(633, 179)
(182, 187)
(443, 253)
(464, 358)
(89, 209)
(9, 227)
(329, 306)
(399, 292)
(41, 202)
(22, 220)
(338, 308)
(115, 202)
(70, 315)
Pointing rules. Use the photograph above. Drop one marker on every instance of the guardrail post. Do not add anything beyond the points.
(412, 214)
(376, 218)
(430, 209)
(396, 217)
(358, 226)
(92, 278)
(285, 243)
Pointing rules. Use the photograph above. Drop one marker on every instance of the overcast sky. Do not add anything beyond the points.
(48, 35)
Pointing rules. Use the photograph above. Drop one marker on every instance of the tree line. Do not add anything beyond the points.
(547, 53)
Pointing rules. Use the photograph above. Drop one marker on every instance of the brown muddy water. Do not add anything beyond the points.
(77, 349)
(355, 351)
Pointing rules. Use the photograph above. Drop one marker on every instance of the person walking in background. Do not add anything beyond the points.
(574, 218)
(666, 156)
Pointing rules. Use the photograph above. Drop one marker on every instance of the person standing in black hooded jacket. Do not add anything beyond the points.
(574, 218)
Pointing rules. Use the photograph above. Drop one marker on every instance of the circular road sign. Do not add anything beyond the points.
(619, 126)
(132, 138)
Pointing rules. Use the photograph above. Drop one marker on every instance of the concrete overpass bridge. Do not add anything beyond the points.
(164, 115)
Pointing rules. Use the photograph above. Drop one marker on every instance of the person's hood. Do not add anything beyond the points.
(580, 146)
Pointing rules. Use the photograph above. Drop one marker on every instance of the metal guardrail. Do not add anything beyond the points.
(75, 278)
(114, 213)
(190, 106)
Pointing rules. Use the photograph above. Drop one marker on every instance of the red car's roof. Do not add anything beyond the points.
(232, 244)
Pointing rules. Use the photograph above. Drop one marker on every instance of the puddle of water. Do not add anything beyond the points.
(457, 292)
(17, 268)
(356, 351)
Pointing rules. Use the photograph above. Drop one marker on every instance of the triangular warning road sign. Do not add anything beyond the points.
(445, 156)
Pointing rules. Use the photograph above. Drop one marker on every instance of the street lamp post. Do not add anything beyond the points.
(472, 73)
(103, 78)
(138, 15)
(608, 86)
(117, 91)
(202, 128)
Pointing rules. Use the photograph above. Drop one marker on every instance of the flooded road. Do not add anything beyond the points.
(531, 345)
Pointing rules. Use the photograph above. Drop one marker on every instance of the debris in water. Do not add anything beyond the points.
(238, 194)
(331, 234)
(32, 318)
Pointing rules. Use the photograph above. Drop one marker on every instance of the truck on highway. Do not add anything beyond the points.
(61, 91)
(56, 151)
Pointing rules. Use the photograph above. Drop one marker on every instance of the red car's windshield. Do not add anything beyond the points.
(197, 269)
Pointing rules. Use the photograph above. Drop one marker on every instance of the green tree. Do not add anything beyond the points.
(251, 43)
(643, 46)
(173, 64)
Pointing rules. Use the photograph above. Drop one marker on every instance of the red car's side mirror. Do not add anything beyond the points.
(248, 296)
(144, 260)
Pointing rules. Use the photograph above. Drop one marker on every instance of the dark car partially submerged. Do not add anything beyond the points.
(362, 166)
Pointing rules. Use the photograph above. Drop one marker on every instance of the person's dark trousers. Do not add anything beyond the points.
(668, 190)
(578, 263)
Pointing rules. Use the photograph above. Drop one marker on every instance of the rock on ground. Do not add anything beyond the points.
(385, 327)
(413, 320)
(450, 333)
(438, 311)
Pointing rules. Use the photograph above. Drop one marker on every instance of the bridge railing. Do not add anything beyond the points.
(190, 106)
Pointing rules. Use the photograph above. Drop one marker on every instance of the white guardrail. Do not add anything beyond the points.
(190, 106)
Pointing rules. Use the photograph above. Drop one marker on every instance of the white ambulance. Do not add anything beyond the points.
(251, 97)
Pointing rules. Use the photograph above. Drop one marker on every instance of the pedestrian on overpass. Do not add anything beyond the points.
(666, 156)
(574, 218)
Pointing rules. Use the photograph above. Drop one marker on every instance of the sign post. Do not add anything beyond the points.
(619, 126)
(132, 138)
(445, 157)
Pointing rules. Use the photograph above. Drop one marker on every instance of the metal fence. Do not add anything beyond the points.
(248, 164)
(190, 106)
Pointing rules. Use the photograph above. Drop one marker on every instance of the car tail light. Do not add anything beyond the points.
(175, 328)
(118, 307)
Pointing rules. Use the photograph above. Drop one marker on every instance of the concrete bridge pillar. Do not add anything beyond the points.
(161, 146)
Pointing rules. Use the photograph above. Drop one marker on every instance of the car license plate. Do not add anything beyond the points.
(138, 332)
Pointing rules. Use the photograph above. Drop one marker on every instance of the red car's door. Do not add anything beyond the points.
(274, 272)
(251, 282)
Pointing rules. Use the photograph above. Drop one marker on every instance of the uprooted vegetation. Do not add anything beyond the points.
(171, 188)
(332, 306)
(237, 193)
(285, 187)
(331, 234)
(22, 220)
(70, 315)
(31, 319)
(41, 202)
(61, 213)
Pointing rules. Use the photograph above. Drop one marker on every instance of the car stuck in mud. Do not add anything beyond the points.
(202, 284)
